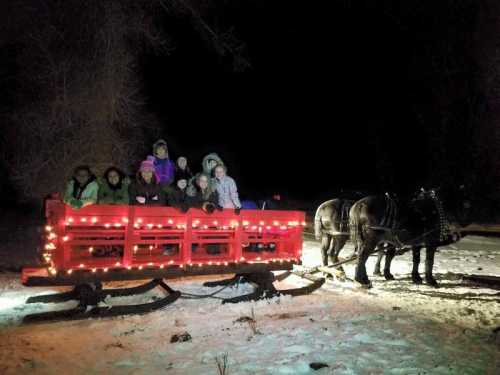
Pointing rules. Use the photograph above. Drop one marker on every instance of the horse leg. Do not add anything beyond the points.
(389, 256)
(365, 249)
(380, 255)
(415, 275)
(333, 255)
(326, 240)
(429, 265)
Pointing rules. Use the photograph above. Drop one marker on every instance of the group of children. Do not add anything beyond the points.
(158, 182)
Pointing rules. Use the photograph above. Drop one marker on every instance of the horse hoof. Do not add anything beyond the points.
(416, 279)
(363, 284)
(388, 276)
(377, 273)
(432, 282)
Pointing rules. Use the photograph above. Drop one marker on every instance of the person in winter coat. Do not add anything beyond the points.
(146, 190)
(182, 170)
(164, 167)
(208, 164)
(226, 189)
(82, 189)
(178, 197)
(113, 187)
(205, 197)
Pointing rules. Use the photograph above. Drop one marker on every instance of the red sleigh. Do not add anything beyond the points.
(99, 243)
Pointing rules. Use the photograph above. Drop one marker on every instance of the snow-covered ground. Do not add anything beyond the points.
(393, 328)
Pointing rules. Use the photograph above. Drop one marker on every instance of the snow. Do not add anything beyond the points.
(394, 328)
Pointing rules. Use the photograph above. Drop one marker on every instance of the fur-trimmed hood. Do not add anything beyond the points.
(206, 159)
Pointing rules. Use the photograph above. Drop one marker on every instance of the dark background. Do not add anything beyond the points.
(335, 98)
(310, 98)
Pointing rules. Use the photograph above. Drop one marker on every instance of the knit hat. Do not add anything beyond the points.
(148, 165)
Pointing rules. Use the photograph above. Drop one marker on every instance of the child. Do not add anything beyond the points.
(146, 190)
(113, 188)
(182, 170)
(164, 167)
(208, 164)
(178, 196)
(82, 189)
(226, 189)
(205, 197)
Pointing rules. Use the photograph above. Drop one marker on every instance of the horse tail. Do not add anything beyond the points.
(356, 230)
(317, 223)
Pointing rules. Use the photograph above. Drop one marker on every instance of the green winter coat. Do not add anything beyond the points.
(84, 198)
(107, 195)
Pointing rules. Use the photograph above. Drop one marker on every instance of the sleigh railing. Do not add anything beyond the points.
(107, 243)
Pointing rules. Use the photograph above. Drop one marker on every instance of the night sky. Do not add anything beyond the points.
(327, 103)
(370, 96)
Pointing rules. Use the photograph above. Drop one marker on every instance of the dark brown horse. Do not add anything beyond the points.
(422, 221)
(331, 227)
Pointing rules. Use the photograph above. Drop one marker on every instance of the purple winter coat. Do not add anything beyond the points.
(165, 170)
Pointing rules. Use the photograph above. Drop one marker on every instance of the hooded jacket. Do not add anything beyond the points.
(191, 190)
(206, 159)
(164, 168)
(227, 192)
(84, 195)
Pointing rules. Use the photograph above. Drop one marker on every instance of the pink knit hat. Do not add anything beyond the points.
(148, 165)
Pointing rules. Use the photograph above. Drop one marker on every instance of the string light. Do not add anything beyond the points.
(48, 228)
(94, 220)
(93, 270)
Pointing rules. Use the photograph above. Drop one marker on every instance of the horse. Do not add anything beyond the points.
(331, 227)
(412, 223)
